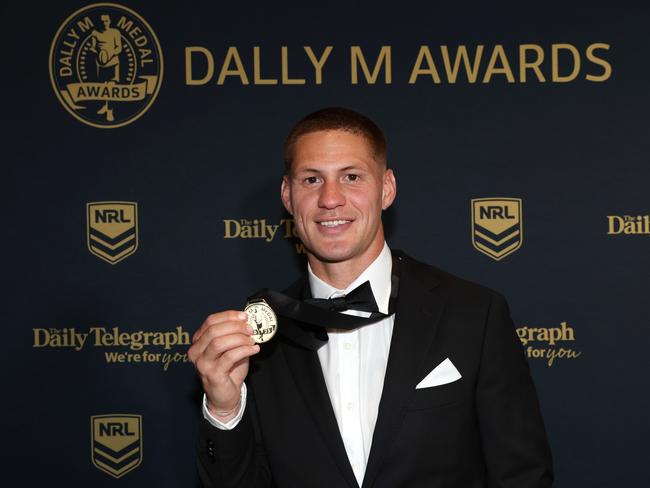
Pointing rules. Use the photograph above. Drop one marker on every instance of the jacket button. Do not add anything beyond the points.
(210, 449)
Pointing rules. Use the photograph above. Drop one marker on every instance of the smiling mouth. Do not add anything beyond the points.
(333, 223)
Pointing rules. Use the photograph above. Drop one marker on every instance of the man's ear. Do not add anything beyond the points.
(389, 189)
(285, 194)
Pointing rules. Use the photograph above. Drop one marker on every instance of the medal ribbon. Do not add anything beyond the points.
(325, 313)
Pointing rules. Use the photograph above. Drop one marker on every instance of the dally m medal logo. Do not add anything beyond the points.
(106, 65)
(497, 227)
(112, 230)
(116, 443)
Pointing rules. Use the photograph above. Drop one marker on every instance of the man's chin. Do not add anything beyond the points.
(331, 254)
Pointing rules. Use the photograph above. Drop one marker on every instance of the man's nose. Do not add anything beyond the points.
(331, 195)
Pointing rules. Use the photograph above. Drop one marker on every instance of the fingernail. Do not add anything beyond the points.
(243, 316)
(249, 329)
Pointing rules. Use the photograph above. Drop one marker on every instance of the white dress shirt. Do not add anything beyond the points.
(354, 365)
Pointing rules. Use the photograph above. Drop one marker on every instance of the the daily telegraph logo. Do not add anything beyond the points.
(106, 65)
(112, 230)
(263, 230)
(118, 345)
(116, 443)
(628, 225)
(497, 226)
(549, 343)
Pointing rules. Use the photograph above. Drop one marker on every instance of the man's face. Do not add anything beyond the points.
(106, 20)
(336, 192)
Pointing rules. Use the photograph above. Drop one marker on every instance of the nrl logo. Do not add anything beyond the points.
(112, 230)
(497, 228)
(116, 443)
(106, 65)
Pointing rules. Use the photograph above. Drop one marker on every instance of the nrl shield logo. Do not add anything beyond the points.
(116, 443)
(112, 230)
(497, 229)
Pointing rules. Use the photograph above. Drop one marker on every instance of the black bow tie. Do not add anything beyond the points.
(361, 299)
(314, 315)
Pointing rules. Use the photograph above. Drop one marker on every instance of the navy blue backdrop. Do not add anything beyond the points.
(553, 113)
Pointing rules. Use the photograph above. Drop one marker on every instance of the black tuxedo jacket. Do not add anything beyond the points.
(484, 430)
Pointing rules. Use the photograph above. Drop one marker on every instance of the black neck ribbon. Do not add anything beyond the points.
(311, 316)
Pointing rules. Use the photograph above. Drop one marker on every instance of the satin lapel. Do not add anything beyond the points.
(308, 375)
(419, 309)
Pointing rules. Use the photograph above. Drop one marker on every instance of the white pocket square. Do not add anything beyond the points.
(442, 374)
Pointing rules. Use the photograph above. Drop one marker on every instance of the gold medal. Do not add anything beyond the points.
(262, 319)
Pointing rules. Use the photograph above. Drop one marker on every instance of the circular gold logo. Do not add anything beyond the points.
(106, 65)
(262, 319)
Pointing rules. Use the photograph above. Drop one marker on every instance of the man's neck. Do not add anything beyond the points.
(341, 274)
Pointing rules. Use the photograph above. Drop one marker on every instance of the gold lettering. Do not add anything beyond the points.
(41, 337)
(285, 70)
(144, 57)
(492, 69)
(65, 71)
(615, 224)
(247, 232)
(384, 58)
(232, 55)
(124, 24)
(424, 55)
(542, 334)
(524, 64)
(461, 54)
(189, 79)
(318, 62)
(85, 24)
(257, 77)
(289, 228)
(555, 51)
(567, 332)
(607, 68)
(232, 229)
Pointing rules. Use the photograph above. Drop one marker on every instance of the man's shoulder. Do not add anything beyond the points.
(426, 274)
(451, 285)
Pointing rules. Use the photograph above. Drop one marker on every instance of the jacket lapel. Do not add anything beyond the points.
(308, 375)
(419, 308)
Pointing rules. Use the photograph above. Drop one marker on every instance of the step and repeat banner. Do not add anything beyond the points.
(142, 152)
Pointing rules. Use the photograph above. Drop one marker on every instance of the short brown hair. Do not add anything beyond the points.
(336, 118)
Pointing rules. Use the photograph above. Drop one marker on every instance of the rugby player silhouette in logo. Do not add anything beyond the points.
(259, 327)
(107, 45)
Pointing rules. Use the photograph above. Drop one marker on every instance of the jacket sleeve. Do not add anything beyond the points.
(514, 441)
(233, 458)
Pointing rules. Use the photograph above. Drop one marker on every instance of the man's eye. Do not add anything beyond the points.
(310, 180)
(352, 177)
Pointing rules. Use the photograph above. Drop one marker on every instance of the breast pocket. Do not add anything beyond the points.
(440, 396)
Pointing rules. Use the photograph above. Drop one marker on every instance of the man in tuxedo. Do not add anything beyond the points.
(435, 392)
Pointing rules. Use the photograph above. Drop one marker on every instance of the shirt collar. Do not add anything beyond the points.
(378, 273)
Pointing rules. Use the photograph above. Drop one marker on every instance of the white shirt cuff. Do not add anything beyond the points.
(232, 423)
